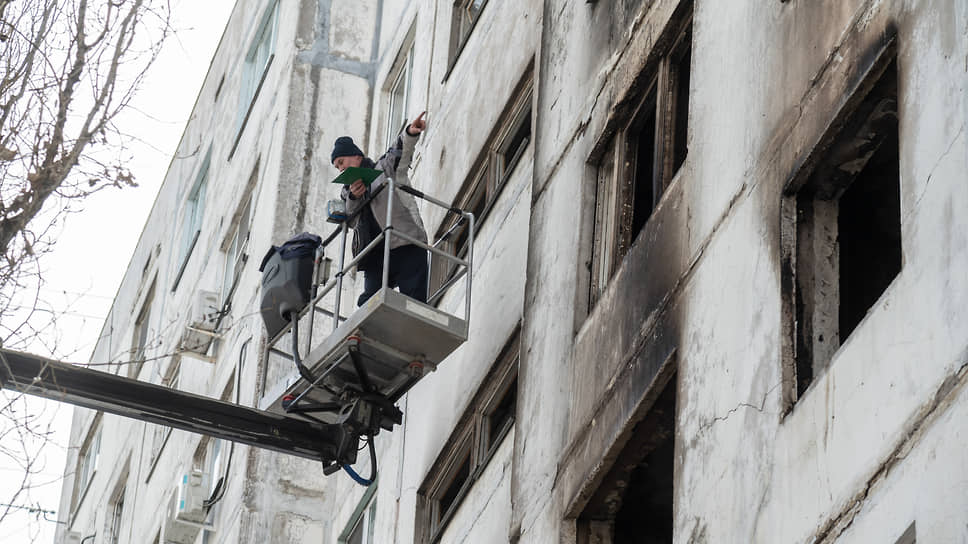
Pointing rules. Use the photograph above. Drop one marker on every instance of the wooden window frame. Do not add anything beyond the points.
(459, 36)
(619, 215)
(487, 179)
(468, 441)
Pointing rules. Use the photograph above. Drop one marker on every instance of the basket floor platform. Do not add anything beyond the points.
(395, 340)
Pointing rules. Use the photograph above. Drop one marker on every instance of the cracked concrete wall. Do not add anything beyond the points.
(701, 284)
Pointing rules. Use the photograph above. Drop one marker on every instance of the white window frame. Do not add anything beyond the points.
(87, 462)
(235, 254)
(363, 516)
(396, 110)
(258, 58)
(192, 218)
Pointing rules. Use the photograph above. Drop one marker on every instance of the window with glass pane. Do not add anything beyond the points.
(140, 336)
(235, 257)
(488, 420)
(257, 61)
(116, 511)
(465, 15)
(87, 462)
(360, 528)
(192, 217)
(398, 99)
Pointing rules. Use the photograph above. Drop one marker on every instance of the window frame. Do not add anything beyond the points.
(616, 221)
(236, 250)
(402, 72)
(193, 217)
(116, 513)
(161, 433)
(810, 237)
(254, 73)
(485, 182)
(139, 340)
(364, 515)
(468, 442)
(458, 37)
(86, 467)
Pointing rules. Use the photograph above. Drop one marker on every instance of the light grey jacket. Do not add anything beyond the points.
(395, 164)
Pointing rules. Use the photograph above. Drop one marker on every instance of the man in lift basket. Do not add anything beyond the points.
(408, 262)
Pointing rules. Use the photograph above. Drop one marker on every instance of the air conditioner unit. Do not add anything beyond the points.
(201, 323)
(187, 514)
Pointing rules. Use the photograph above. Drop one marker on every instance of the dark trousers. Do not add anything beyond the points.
(408, 273)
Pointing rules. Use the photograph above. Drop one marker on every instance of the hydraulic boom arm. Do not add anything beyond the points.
(34, 375)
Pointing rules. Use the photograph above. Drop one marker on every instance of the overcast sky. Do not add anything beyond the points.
(95, 246)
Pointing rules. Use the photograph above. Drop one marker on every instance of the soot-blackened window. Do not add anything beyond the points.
(641, 160)
(842, 228)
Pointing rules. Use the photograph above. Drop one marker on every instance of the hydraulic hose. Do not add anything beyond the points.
(365, 482)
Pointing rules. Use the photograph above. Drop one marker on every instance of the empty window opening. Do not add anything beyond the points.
(634, 502)
(644, 189)
(842, 231)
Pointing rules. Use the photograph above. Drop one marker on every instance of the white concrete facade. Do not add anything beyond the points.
(698, 305)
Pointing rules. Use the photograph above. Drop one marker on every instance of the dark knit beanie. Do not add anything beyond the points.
(344, 147)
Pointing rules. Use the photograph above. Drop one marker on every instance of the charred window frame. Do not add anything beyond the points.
(485, 423)
(501, 155)
(841, 228)
(641, 160)
(464, 18)
(634, 499)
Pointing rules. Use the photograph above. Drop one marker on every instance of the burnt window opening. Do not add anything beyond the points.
(481, 430)
(634, 502)
(842, 230)
(641, 160)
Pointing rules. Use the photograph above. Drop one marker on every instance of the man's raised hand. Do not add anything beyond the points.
(418, 125)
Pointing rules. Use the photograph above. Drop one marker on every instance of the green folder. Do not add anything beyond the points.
(354, 173)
